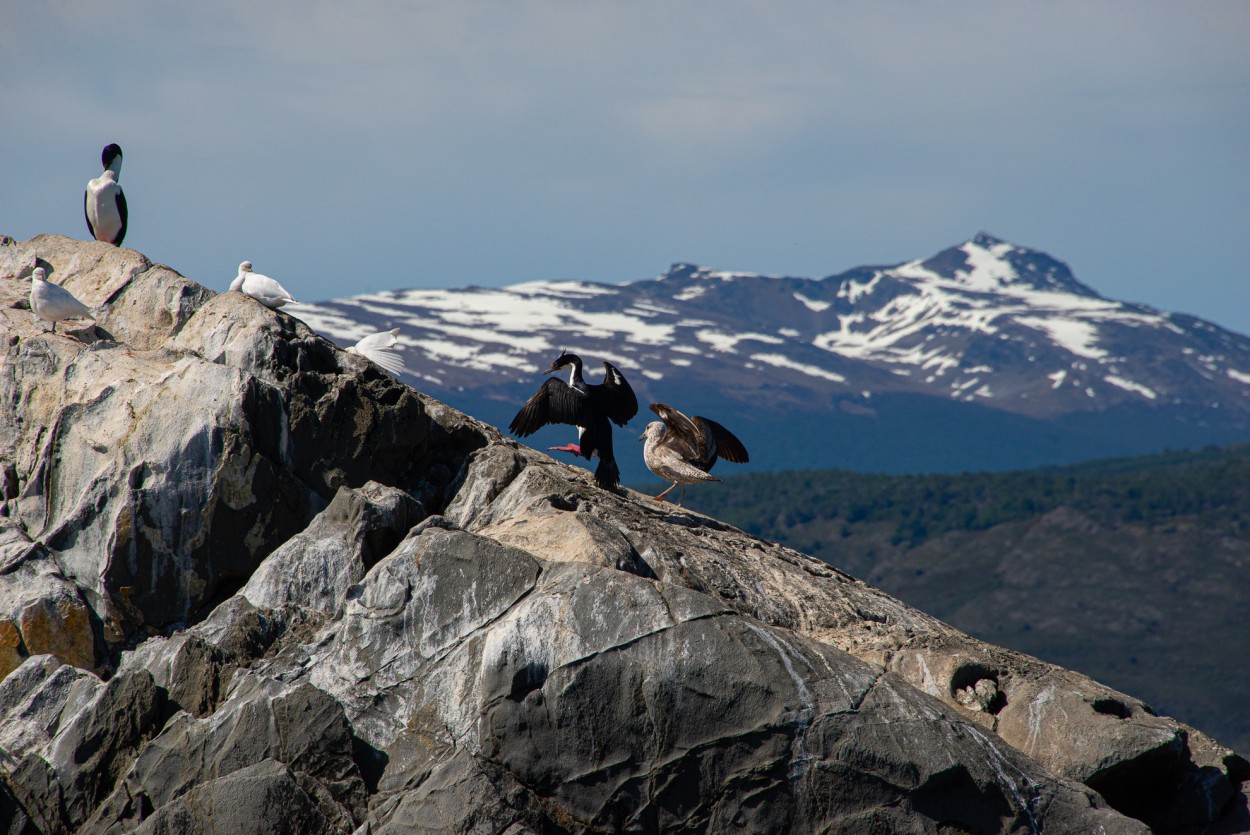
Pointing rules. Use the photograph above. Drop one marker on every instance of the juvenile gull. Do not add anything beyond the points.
(264, 289)
(682, 450)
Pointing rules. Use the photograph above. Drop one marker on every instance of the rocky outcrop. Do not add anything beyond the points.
(250, 583)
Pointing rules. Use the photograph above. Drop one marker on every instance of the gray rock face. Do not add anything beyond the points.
(281, 592)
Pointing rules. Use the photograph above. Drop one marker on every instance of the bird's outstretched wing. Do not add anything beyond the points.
(681, 434)
(123, 214)
(620, 404)
(554, 402)
(379, 347)
(726, 443)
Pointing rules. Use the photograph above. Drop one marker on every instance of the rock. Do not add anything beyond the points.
(260, 799)
(33, 701)
(315, 568)
(42, 613)
(316, 600)
(219, 463)
(91, 733)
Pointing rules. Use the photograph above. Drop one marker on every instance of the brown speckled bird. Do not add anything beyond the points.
(682, 450)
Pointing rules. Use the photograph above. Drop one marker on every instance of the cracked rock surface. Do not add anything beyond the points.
(250, 583)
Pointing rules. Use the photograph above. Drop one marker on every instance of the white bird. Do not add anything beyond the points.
(379, 347)
(104, 204)
(264, 289)
(52, 302)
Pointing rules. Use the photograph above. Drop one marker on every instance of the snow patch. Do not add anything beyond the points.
(782, 361)
(727, 342)
(1129, 385)
(1073, 335)
(812, 304)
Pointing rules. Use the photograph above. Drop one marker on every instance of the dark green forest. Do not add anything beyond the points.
(1210, 488)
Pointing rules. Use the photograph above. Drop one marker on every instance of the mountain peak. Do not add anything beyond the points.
(986, 263)
(985, 240)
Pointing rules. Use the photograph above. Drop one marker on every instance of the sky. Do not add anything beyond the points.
(347, 148)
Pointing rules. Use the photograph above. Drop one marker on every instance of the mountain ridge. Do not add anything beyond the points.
(1002, 332)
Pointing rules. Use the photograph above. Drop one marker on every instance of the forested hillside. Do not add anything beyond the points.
(1134, 571)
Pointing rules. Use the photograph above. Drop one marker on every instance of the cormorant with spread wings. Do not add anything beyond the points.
(683, 449)
(591, 408)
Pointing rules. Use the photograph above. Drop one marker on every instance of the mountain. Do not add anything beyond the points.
(985, 356)
(1129, 570)
(251, 583)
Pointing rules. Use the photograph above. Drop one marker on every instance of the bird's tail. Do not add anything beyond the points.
(608, 475)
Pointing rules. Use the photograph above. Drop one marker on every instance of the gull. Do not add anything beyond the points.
(379, 347)
(591, 408)
(682, 450)
(53, 302)
(264, 289)
(104, 204)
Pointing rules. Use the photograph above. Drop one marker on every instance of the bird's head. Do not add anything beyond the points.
(38, 274)
(111, 153)
(653, 432)
(563, 361)
(245, 267)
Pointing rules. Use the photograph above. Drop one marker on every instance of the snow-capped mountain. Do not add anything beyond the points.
(982, 338)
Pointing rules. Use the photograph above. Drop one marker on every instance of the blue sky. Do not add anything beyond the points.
(346, 148)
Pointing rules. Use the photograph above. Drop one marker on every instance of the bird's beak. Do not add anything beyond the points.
(643, 436)
(549, 370)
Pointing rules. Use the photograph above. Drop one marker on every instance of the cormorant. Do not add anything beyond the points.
(591, 408)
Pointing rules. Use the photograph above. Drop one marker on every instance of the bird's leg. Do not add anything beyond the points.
(660, 497)
(681, 497)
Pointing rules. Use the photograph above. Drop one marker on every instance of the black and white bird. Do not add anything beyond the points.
(380, 348)
(104, 204)
(264, 289)
(52, 302)
(683, 450)
(591, 408)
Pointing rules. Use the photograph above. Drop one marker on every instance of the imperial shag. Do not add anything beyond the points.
(591, 408)
(104, 204)
(683, 449)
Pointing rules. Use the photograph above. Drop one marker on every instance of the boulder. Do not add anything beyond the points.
(249, 582)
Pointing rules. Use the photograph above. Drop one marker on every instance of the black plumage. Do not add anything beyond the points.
(591, 408)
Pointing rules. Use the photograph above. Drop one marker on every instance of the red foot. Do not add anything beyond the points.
(573, 448)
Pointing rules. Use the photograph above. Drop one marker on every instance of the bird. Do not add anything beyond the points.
(683, 450)
(379, 347)
(264, 289)
(53, 302)
(591, 408)
(104, 203)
